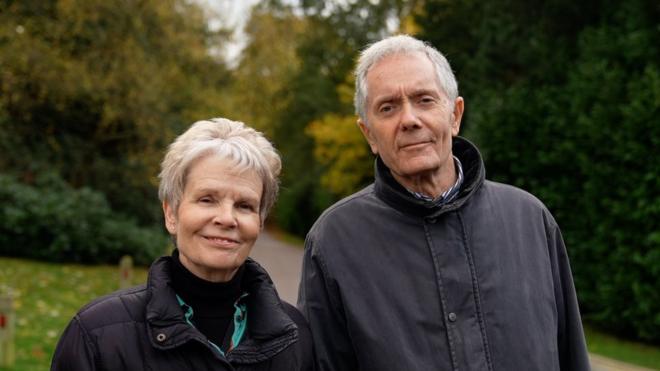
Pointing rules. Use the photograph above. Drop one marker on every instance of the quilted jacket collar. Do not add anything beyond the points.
(269, 329)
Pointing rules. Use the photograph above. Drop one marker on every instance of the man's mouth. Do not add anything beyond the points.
(414, 145)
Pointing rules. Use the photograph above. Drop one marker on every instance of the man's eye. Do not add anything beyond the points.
(385, 108)
(205, 200)
(426, 100)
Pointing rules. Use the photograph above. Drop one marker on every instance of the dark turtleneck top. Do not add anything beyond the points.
(212, 302)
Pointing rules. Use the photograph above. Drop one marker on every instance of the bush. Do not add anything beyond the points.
(584, 144)
(51, 221)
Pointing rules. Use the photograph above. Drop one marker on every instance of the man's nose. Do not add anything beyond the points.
(409, 119)
(225, 215)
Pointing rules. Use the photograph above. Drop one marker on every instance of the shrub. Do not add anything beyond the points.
(51, 221)
(586, 144)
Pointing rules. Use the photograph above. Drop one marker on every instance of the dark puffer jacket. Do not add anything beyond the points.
(144, 329)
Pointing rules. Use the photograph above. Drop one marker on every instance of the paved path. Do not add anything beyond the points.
(284, 262)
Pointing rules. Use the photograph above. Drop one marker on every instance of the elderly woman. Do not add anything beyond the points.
(207, 306)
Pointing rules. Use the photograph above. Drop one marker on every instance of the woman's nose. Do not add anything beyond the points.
(225, 216)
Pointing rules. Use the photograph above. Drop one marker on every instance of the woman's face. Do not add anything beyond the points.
(217, 221)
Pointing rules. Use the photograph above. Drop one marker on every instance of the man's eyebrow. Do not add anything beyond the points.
(424, 91)
(386, 98)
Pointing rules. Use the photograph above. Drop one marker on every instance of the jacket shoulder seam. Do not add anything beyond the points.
(87, 338)
(116, 294)
(527, 197)
(365, 192)
(108, 300)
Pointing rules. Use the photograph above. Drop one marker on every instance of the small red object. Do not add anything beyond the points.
(3, 320)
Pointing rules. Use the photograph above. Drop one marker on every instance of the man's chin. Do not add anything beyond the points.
(421, 167)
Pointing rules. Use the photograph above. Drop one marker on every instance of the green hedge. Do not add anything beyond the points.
(571, 114)
(48, 220)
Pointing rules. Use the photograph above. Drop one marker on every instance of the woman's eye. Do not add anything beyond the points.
(205, 200)
(246, 206)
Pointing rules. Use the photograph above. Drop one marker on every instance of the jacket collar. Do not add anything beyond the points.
(396, 196)
(269, 328)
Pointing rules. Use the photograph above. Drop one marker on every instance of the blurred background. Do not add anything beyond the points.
(562, 97)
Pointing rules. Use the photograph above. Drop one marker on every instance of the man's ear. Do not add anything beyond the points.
(170, 217)
(457, 115)
(367, 135)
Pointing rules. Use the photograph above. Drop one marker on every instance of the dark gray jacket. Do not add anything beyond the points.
(144, 329)
(481, 283)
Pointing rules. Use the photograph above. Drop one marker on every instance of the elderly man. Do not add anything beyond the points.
(432, 267)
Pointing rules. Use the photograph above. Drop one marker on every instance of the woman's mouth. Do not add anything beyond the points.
(221, 241)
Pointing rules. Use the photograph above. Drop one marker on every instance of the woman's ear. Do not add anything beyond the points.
(170, 217)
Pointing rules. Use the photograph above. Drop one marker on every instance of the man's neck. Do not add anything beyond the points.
(431, 184)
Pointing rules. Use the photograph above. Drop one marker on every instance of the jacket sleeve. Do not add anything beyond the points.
(320, 303)
(573, 353)
(75, 350)
(305, 349)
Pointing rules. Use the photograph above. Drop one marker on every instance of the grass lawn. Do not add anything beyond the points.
(48, 295)
(622, 350)
(46, 298)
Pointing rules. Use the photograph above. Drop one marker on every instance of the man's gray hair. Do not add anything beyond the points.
(400, 44)
(241, 146)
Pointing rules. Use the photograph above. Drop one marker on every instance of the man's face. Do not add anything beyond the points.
(411, 121)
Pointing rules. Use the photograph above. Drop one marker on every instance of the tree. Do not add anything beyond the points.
(342, 152)
(259, 88)
(335, 33)
(96, 89)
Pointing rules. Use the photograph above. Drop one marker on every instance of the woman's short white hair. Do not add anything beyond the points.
(242, 146)
(400, 44)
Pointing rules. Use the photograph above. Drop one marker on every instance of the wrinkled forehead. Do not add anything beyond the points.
(402, 73)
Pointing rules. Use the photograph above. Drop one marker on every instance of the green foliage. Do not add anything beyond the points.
(96, 89)
(616, 106)
(50, 221)
(334, 34)
(259, 87)
(341, 148)
(563, 99)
